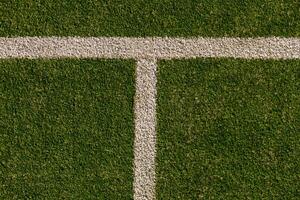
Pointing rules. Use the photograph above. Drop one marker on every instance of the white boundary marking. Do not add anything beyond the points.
(159, 48)
(146, 51)
(145, 134)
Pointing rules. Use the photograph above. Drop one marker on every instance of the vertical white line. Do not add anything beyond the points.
(145, 131)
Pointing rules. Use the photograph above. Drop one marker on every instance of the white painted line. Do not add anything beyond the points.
(145, 133)
(159, 48)
(146, 51)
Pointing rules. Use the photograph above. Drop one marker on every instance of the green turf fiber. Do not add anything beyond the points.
(66, 129)
(228, 129)
(150, 18)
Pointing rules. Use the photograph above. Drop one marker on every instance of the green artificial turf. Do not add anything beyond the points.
(228, 129)
(66, 129)
(150, 18)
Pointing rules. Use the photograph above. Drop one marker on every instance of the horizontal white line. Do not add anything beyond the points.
(159, 48)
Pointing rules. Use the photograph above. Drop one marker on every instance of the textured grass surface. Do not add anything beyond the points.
(228, 129)
(150, 18)
(66, 129)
